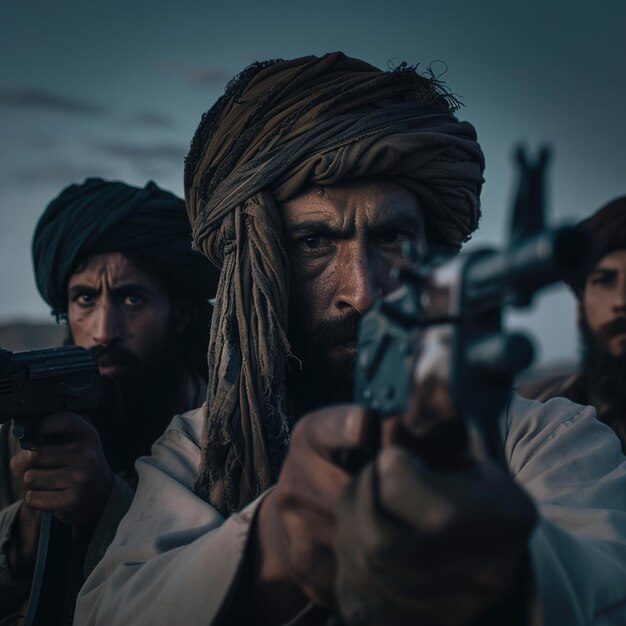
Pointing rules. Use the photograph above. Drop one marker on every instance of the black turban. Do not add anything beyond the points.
(99, 217)
(606, 230)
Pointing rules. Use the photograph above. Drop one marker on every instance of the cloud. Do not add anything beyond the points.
(209, 77)
(42, 141)
(152, 119)
(41, 100)
(197, 76)
(166, 152)
(61, 173)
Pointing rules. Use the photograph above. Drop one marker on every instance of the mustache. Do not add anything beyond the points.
(616, 326)
(114, 355)
(337, 330)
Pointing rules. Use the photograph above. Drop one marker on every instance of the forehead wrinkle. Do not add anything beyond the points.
(351, 208)
(113, 269)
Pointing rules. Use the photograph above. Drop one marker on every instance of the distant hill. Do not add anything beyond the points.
(19, 336)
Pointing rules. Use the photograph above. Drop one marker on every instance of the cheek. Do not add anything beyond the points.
(311, 294)
(595, 309)
(80, 328)
(146, 331)
(382, 264)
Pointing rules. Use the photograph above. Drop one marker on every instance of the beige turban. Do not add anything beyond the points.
(282, 125)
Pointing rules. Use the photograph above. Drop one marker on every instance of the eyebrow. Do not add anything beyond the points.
(81, 288)
(602, 270)
(123, 288)
(323, 227)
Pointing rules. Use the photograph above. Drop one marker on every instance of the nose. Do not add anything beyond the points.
(108, 327)
(619, 297)
(358, 284)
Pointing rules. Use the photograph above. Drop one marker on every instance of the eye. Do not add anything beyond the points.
(393, 237)
(601, 279)
(311, 242)
(133, 300)
(390, 236)
(84, 299)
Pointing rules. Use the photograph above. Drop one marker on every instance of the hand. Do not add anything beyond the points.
(295, 532)
(417, 545)
(71, 480)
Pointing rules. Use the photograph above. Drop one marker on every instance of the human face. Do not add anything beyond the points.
(343, 242)
(603, 302)
(120, 312)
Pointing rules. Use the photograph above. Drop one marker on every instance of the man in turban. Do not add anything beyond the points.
(116, 262)
(601, 304)
(304, 182)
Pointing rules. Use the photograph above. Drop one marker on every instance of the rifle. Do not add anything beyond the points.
(437, 344)
(439, 341)
(33, 385)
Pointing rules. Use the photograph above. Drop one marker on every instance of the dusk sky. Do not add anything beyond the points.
(116, 89)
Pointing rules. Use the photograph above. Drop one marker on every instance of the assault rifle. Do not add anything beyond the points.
(438, 341)
(33, 385)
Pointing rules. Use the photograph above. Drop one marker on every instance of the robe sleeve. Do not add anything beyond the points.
(13, 591)
(174, 559)
(574, 468)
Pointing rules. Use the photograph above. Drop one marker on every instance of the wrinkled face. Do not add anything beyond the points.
(120, 312)
(343, 242)
(603, 302)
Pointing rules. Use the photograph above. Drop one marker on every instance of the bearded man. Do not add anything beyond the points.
(303, 182)
(601, 307)
(115, 261)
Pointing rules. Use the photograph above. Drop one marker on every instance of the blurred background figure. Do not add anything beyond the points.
(600, 379)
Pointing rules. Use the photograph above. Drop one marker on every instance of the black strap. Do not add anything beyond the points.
(47, 595)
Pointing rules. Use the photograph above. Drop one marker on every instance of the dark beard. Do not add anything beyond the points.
(145, 406)
(136, 408)
(321, 380)
(604, 374)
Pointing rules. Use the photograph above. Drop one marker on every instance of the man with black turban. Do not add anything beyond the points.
(116, 262)
(304, 182)
(601, 303)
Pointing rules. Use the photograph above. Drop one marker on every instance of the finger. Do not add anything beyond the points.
(341, 427)
(479, 497)
(51, 501)
(67, 426)
(50, 479)
(311, 562)
(409, 491)
(52, 456)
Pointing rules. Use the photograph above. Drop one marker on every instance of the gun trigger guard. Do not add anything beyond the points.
(65, 390)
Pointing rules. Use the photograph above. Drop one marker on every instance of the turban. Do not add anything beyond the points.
(99, 217)
(280, 126)
(606, 230)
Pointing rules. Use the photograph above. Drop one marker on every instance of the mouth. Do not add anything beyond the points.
(107, 360)
(345, 348)
(112, 369)
(110, 365)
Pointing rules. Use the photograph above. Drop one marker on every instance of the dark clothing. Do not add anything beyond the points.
(88, 543)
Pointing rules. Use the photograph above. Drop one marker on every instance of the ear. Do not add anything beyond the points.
(182, 315)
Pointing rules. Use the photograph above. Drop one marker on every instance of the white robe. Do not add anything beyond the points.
(175, 560)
